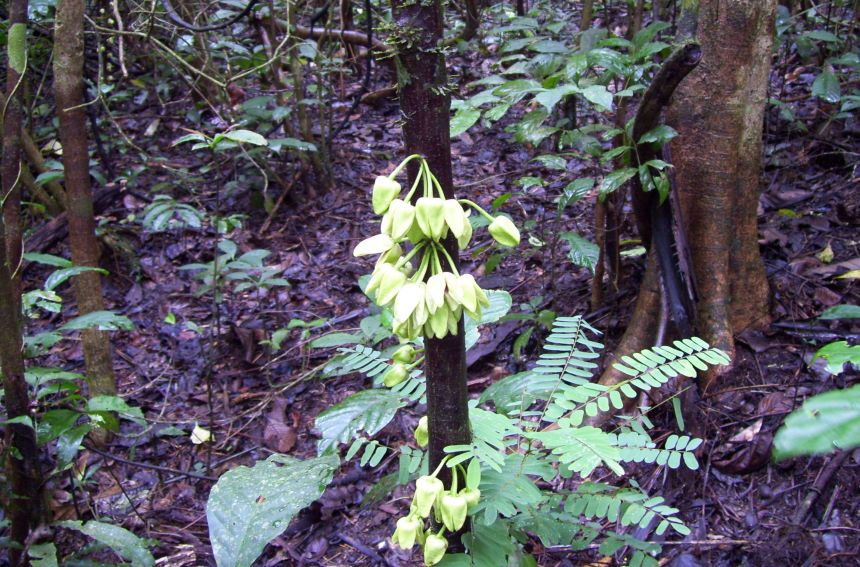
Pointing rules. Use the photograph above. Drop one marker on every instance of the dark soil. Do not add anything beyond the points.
(740, 504)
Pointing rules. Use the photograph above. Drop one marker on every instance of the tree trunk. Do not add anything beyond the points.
(69, 91)
(12, 120)
(24, 506)
(473, 19)
(718, 111)
(426, 106)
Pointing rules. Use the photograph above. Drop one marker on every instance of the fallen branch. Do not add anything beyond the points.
(824, 476)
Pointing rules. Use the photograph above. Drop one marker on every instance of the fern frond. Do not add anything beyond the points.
(491, 435)
(511, 489)
(634, 508)
(372, 363)
(638, 448)
(649, 368)
(582, 449)
(368, 411)
(360, 359)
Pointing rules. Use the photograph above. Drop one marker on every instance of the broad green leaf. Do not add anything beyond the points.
(43, 554)
(122, 541)
(249, 507)
(574, 191)
(58, 277)
(336, 339)
(49, 176)
(277, 144)
(582, 252)
(16, 47)
(548, 46)
(550, 161)
(367, 411)
(822, 35)
(661, 134)
(599, 96)
(464, 119)
(552, 97)
(48, 259)
(246, 137)
(103, 320)
(500, 304)
(841, 312)
(193, 137)
(824, 423)
(826, 87)
(616, 179)
(837, 354)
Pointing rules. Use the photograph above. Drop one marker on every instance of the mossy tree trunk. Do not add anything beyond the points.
(426, 106)
(69, 94)
(718, 112)
(23, 503)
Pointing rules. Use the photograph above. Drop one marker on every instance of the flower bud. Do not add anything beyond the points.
(455, 217)
(406, 531)
(405, 354)
(376, 244)
(385, 190)
(464, 239)
(402, 216)
(434, 549)
(408, 298)
(422, 433)
(472, 496)
(468, 298)
(427, 489)
(438, 323)
(430, 214)
(435, 297)
(504, 231)
(390, 283)
(453, 511)
(396, 374)
(394, 253)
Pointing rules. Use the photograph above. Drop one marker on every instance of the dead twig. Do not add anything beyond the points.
(818, 487)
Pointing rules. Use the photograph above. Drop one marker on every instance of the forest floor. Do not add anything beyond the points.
(743, 508)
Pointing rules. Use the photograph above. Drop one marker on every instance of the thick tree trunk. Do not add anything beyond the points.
(426, 110)
(24, 505)
(718, 112)
(69, 91)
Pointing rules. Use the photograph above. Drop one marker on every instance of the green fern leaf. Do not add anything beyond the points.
(368, 411)
(505, 492)
(582, 449)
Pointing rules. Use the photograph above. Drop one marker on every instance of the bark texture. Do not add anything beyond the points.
(426, 106)
(717, 111)
(69, 94)
(23, 504)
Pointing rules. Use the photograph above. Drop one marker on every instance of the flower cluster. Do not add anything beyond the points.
(450, 508)
(429, 300)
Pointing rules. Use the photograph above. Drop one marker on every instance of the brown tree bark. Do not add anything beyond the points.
(718, 111)
(69, 94)
(426, 108)
(11, 116)
(24, 504)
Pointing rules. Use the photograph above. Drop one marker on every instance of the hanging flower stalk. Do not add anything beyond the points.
(427, 300)
(430, 299)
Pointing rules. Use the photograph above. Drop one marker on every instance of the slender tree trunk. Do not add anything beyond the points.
(473, 19)
(425, 106)
(12, 119)
(717, 111)
(24, 506)
(69, 94)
